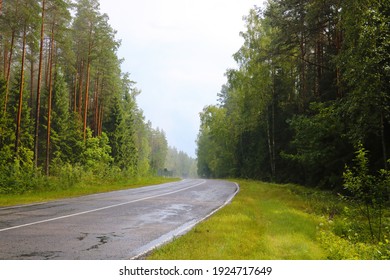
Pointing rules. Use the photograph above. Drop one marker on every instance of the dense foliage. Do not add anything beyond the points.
(66, 107)
(309, 104)
(312, 84)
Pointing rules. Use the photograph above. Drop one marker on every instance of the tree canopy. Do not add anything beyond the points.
(64, 99)
(311, 85)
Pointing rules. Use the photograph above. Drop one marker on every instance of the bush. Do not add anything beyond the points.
(348, 246)
(69, 175)
(96, 156)
(17, 173)
(369, 191)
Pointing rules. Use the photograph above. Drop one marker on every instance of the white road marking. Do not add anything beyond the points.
(99, 209)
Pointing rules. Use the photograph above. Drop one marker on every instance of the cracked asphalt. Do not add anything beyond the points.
(117, 225)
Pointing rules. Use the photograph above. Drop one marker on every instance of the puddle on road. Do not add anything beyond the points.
(165, 214)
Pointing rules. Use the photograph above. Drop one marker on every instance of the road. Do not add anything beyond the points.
(116, 225)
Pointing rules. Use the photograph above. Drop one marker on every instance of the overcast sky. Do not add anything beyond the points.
(177, 52)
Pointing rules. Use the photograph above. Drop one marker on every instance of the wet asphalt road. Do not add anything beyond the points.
(116, 225)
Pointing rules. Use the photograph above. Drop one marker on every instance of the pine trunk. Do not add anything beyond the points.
(39, 86)
(75, 94)
(270, 145)
(49, 103)
(100, 109)
(86, 100)
(87, 85)
(96, 108)
(9, 71)
(100, 129)
(30, 102)
(303, 73)
(271, 128)
(47, 66)
(5, 57)
(338, 44)
(383, 139)
(21, 89)
(319, 61)
(80, 99)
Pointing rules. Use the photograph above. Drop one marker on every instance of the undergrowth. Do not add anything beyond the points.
(343, 230)
(67, 181)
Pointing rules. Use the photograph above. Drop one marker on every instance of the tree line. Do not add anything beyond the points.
(179, 164)
(311, 87)
(65, 104)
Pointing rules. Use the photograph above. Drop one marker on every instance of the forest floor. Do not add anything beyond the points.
(276, 222)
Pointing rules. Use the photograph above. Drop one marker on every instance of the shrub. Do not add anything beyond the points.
(369, 191)
(96, 156)
(348, 246)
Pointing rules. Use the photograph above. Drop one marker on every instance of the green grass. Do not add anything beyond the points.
(264, 221)
(85, 187)
(281, 222)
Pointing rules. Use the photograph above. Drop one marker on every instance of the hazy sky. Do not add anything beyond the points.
(178, 51)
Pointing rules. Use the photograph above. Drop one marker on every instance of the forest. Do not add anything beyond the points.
(309, 95)
(308, 104)
(179, 164)
(66, 108)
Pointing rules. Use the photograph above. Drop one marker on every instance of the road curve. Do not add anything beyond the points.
(115, 225)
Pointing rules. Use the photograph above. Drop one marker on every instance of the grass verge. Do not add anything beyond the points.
(85, 187)
(274, 222)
